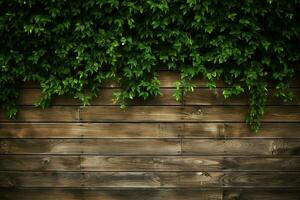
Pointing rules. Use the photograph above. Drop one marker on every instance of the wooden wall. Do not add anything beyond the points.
(196, 149)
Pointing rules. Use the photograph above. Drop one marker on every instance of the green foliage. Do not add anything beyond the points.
(67, 46)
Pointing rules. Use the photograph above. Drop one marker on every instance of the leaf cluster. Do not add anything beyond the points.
(67, 46)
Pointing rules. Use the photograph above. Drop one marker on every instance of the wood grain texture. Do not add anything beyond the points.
(151, 146)
(151, 179)
(261, 195)
(147, 130)
(161, 114)
(203, 96)
(267, 130)
(91, 130)
(97, 194)
(52, 114)
(185, 114)
(241, 147)
(90, 146)
(147, 194)
(151, 114)
(147, 163)
(240, 130)
(215, 96)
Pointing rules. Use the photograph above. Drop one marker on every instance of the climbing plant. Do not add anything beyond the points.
(67, 46)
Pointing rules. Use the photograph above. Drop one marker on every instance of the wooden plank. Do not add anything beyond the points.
(151, 179)
(90, 146)
(146, 163)
(202, 96)
(151, 114)
(92, 130)
(240, 130)
(205, 96)
(240, 147)
(55, 113)
(39, 163)
(147, 194)
(151, 146)
(189, 163)
(147, 130)
(261, 195)
(185, 114)
(239, 179)
(97, 194)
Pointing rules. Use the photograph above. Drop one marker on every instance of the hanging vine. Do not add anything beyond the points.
(67, 46)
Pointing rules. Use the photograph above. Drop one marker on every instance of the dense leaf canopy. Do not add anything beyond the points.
(67, 46)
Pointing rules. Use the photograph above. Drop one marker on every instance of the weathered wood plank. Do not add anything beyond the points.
(151, 114)
(205, 96)
(55, 113)
(261, 195)
(92, 130)
(241, 147)
(239, 179)
(267, 130)
(146, 163)
(97, 194)
(147, 130)
(240, 130)
(39, 163)
(151, 146)
(90, 146)
(185, 114)
(239, 163)
(201, 96)
(147, 194)
(151, 179)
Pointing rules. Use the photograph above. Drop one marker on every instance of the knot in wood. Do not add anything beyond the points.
(45, 161)
(199, 112)
(4, 147)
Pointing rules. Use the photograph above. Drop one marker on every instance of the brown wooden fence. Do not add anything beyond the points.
(161, 149)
